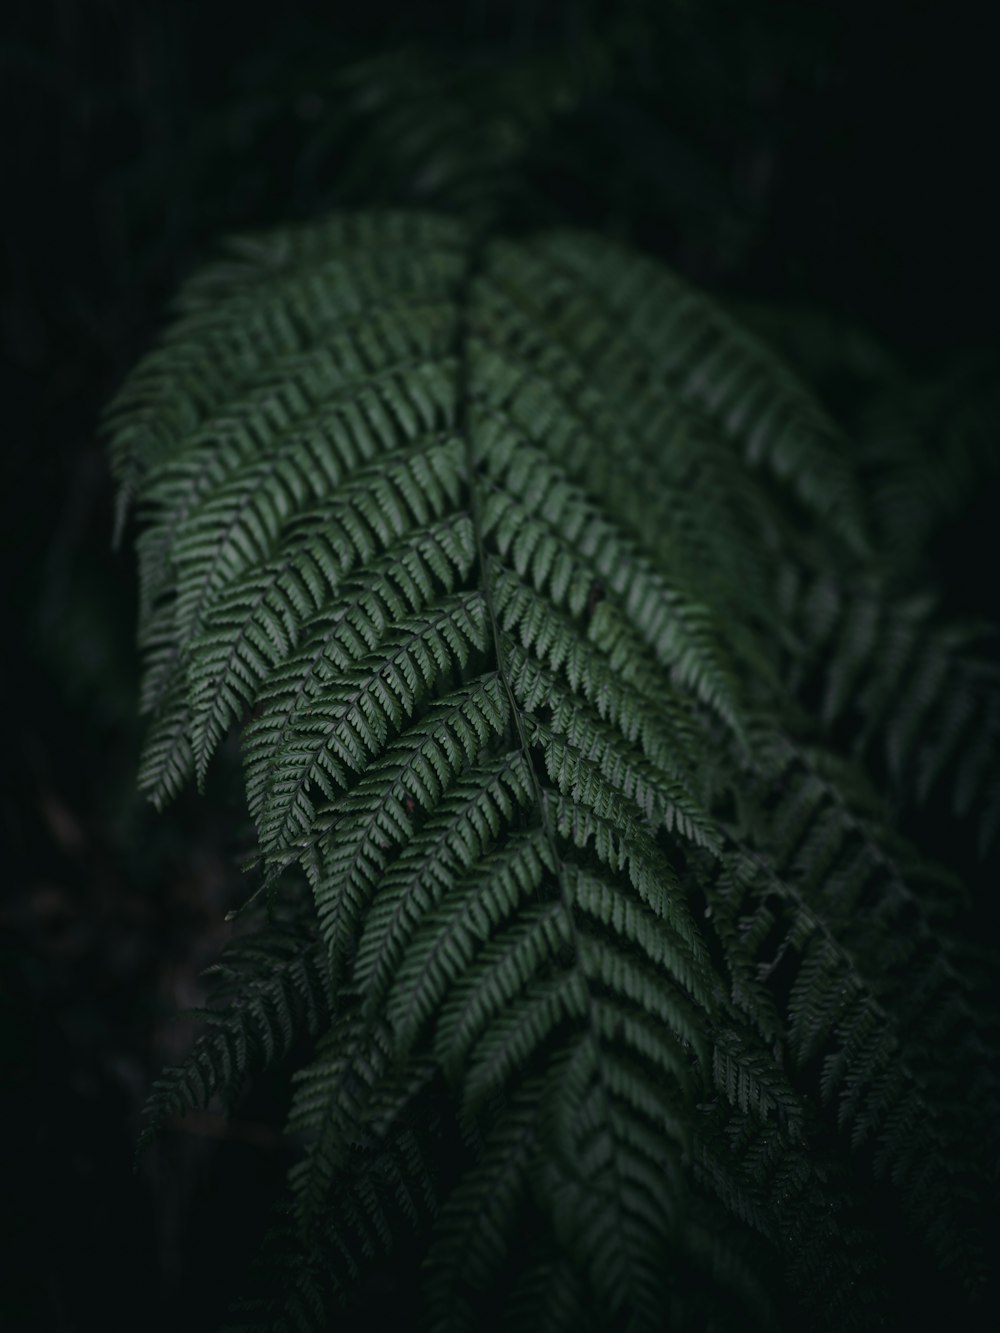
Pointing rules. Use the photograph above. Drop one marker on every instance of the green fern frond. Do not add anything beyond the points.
(495, 552)
(271, 990)
(873, 999)
(921, 698)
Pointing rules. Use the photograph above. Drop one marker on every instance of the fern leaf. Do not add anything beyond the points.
(508, 559)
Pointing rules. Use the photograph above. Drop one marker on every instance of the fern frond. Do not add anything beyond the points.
(921, 698)
(871, 994)
(271, 990)
(495, 551)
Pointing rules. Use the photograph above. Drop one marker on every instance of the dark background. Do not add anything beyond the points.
(838, 157)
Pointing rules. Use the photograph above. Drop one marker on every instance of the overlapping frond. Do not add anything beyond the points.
(877, 1017)
(271, 990)
(918, 699)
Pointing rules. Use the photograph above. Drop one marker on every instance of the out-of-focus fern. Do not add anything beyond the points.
(271, 989)
(498, 553)
(918, 699)
(930, 445)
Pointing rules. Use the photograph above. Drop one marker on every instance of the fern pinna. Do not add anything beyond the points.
(515, 562)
